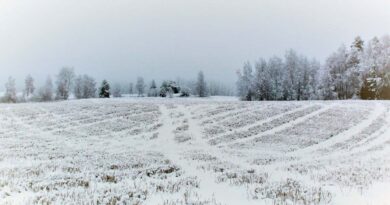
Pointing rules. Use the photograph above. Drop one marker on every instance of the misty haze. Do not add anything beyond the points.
(195, 102)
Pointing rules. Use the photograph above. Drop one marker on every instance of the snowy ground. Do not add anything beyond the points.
(195, 151)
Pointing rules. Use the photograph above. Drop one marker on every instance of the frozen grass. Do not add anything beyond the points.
(192, 151)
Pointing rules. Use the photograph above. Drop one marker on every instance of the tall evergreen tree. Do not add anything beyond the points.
(140, 86)
(201, 87)
(104, 90)
(153, 89)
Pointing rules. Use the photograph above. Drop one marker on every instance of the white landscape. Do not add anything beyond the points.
(195, 102)
(195, 151)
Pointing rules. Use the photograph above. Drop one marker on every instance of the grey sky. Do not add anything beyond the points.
(120, 40)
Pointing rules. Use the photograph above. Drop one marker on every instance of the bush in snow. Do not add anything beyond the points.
(185, 92)
(167, 89)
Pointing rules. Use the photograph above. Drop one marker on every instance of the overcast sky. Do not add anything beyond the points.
(122, 39)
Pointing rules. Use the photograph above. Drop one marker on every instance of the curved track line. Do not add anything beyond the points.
(258, 123)
(281, 127)
(173, 151)
(341, 137)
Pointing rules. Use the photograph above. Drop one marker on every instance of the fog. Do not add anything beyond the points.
(159, 39)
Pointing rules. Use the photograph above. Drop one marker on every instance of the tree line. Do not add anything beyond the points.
(360, 71)
(85, 86)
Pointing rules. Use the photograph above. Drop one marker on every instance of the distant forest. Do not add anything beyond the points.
(359, 71)
(69, 85)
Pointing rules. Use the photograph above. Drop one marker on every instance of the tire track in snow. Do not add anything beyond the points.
(258, 123)
(223, 193)
(227, 115)
(281, 127)
(343, 136)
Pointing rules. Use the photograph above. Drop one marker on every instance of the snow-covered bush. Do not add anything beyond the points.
(185, 92)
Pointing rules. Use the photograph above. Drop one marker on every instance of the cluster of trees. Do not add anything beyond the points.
(291, 78)
(169, 88)
(67, 82)
(84, 86)
(360, 71)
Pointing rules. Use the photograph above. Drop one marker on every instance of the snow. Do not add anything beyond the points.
(214, 150)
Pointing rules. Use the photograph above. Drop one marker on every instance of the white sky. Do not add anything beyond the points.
(120, 40)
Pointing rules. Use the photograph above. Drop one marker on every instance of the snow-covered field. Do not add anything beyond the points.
(193, 151)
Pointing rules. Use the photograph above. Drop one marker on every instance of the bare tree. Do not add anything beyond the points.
(10, 91)
(29, 86)
(89, 87)
(46, 92)
(131, 88)
(64, 83)
(140, 86)
(117, 91)
(78, 87)
(84, 87)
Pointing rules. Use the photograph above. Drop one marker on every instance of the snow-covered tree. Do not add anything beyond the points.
(262, 87)
(245, 83)
(117, 91)
(10, 91)
(295, 78)
(370, 89)
(326, 88)
(140, 86)
(29, 87)
(291, 83)
(104, 91)
(275, 66)
(84, 87)
(153, 90)
(185, 92)
(78, 87)
(218, 89)
(46, 92)
(131, 88)
(64, 83)
(166, 89)
(201, 86)
(89, 89)
(353, 73)
(336, 65)
(311, 80)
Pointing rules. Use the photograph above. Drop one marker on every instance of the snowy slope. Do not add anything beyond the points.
(195, 151)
